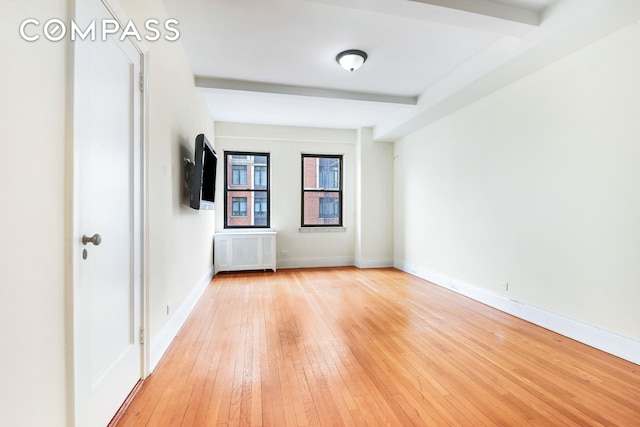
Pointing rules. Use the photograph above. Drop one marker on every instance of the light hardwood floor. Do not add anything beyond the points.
(343, 346)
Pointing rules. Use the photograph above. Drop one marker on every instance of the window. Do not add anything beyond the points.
(246, 188)
(321, 190)
(239, 175)
(260, 176)
(239, 206)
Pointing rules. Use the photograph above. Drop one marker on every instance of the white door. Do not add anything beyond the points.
(107, 225)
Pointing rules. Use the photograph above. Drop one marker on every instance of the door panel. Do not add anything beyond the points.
(107, 285)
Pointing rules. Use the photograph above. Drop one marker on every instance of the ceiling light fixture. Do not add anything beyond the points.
(351, 59)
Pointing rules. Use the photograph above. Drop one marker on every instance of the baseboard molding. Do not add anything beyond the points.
(333, 262)
(374, 263)
(161, 342)
(123, 408)
(314, 262)
(607, 341)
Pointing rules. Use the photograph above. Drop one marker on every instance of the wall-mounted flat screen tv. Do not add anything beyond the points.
(202, 185)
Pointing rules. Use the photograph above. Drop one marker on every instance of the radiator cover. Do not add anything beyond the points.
(236, 251)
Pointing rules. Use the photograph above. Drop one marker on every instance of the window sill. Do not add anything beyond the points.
(247, 230)
(322, 229)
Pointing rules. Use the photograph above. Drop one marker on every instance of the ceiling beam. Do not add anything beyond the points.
(489, 8)
(485, 15)
(251, 86)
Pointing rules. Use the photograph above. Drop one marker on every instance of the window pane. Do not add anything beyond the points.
(321, 208)
(329, 173)
(247, 208)
(321, 173)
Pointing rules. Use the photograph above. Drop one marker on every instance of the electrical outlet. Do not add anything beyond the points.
(284, 252)
(505, 286)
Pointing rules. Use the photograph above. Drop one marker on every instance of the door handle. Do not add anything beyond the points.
(96, 239)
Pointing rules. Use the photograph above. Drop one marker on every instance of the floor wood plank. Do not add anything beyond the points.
(343, 346)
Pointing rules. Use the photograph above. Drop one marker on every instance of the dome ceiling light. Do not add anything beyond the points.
(351, 59)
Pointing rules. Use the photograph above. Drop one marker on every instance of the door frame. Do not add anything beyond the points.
(141, 170)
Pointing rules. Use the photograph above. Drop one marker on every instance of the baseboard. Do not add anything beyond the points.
(607, 341)
(316, 262)
(161, 342)
(123, 408)
(374, 263)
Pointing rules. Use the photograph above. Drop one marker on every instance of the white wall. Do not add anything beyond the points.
(32, 221)
(374, 196)
(536, 185)
(313, 249)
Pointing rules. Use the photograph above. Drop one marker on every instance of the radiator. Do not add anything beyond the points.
(235, 251)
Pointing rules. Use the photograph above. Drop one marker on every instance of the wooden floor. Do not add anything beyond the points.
(333, 347)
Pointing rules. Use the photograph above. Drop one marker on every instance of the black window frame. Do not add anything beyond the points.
(245, 188)
(339, 190)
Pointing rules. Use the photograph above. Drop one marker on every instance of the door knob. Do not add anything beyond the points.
(96, 239)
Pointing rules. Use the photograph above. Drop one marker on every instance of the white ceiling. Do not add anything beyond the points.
(273, 61)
